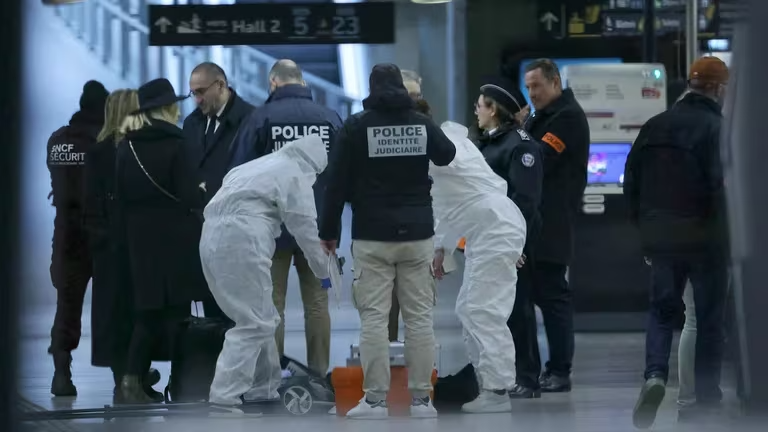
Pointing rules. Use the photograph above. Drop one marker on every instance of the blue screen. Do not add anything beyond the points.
(606, 163)
(561, 63)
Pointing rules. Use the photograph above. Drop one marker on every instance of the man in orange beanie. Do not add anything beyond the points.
(674, 186)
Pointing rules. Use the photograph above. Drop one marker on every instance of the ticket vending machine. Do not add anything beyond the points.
(608, 273)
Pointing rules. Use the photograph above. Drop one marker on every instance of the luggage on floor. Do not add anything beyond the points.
(396, 355)
(348, 381)
(348, 387)
(453, 391)
(196, 348)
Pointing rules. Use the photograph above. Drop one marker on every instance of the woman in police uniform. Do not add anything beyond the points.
(515, 157)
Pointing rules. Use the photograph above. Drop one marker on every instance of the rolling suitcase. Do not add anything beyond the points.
(196, 347)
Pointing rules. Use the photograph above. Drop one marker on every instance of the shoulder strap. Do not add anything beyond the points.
(149, 177)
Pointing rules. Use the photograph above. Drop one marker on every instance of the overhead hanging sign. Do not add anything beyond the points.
(272, 24)
(559, 19)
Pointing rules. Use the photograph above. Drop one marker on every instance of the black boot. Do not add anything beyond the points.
(132, 391)
(62, 385)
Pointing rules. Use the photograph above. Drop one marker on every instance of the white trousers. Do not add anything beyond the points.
(686, 351)
(236, 264)
(484, 304)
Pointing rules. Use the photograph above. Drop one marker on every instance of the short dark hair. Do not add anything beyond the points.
(548, 68)
(212, 70)
(287, 71)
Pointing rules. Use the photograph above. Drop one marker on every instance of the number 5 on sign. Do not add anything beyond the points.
(300, 26)
(346, 26)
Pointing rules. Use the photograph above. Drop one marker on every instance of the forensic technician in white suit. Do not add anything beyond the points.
(470, 201)
(236, 248)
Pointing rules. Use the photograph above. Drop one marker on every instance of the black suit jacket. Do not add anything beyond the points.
(211, 162)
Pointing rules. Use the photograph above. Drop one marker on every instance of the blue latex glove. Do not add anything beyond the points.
(325, 283)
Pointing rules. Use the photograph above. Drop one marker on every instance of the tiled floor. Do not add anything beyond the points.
(607, 366)
(607, 375)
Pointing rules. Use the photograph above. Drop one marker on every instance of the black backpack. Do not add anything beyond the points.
(453, 391)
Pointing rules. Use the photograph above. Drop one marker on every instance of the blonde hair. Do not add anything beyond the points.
(167, 113)
(120, 103)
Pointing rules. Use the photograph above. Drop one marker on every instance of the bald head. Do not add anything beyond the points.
(211, 71)
(285, 72)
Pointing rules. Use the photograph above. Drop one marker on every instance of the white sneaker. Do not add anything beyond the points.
(332, 411)
(423, 408)
(488, 402)
(369, 411)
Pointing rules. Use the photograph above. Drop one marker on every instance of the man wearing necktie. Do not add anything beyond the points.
(209, 131)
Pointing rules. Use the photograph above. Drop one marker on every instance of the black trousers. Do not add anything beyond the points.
(150, 327)
(522, 324)
(71, 270)
(543, 284)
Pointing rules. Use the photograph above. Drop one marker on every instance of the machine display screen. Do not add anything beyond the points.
(561, 63)
(606, 163)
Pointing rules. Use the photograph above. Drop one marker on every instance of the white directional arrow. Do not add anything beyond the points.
(163, 23)
(548, 19)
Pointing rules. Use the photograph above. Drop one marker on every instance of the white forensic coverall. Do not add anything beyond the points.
(470, 201)
(242, 222)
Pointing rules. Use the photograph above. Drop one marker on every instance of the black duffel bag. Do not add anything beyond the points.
(453, 391)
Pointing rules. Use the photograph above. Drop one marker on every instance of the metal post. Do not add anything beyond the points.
(649, 31)
(691, 32)
(744, 167)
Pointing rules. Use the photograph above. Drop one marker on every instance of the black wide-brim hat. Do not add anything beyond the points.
(155, 94)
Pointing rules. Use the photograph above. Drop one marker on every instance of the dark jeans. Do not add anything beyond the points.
(71, 270)
(522, 324)
(709, 278)
(149, 327)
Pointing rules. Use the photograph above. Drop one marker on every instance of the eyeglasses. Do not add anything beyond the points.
(201, 91)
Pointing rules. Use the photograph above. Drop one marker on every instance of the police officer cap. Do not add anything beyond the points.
(505, 93)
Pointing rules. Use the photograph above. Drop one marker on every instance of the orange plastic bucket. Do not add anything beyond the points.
(348, 386)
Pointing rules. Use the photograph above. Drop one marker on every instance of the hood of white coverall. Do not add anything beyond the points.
(468, 175)
(458, 188)
(309, 153)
